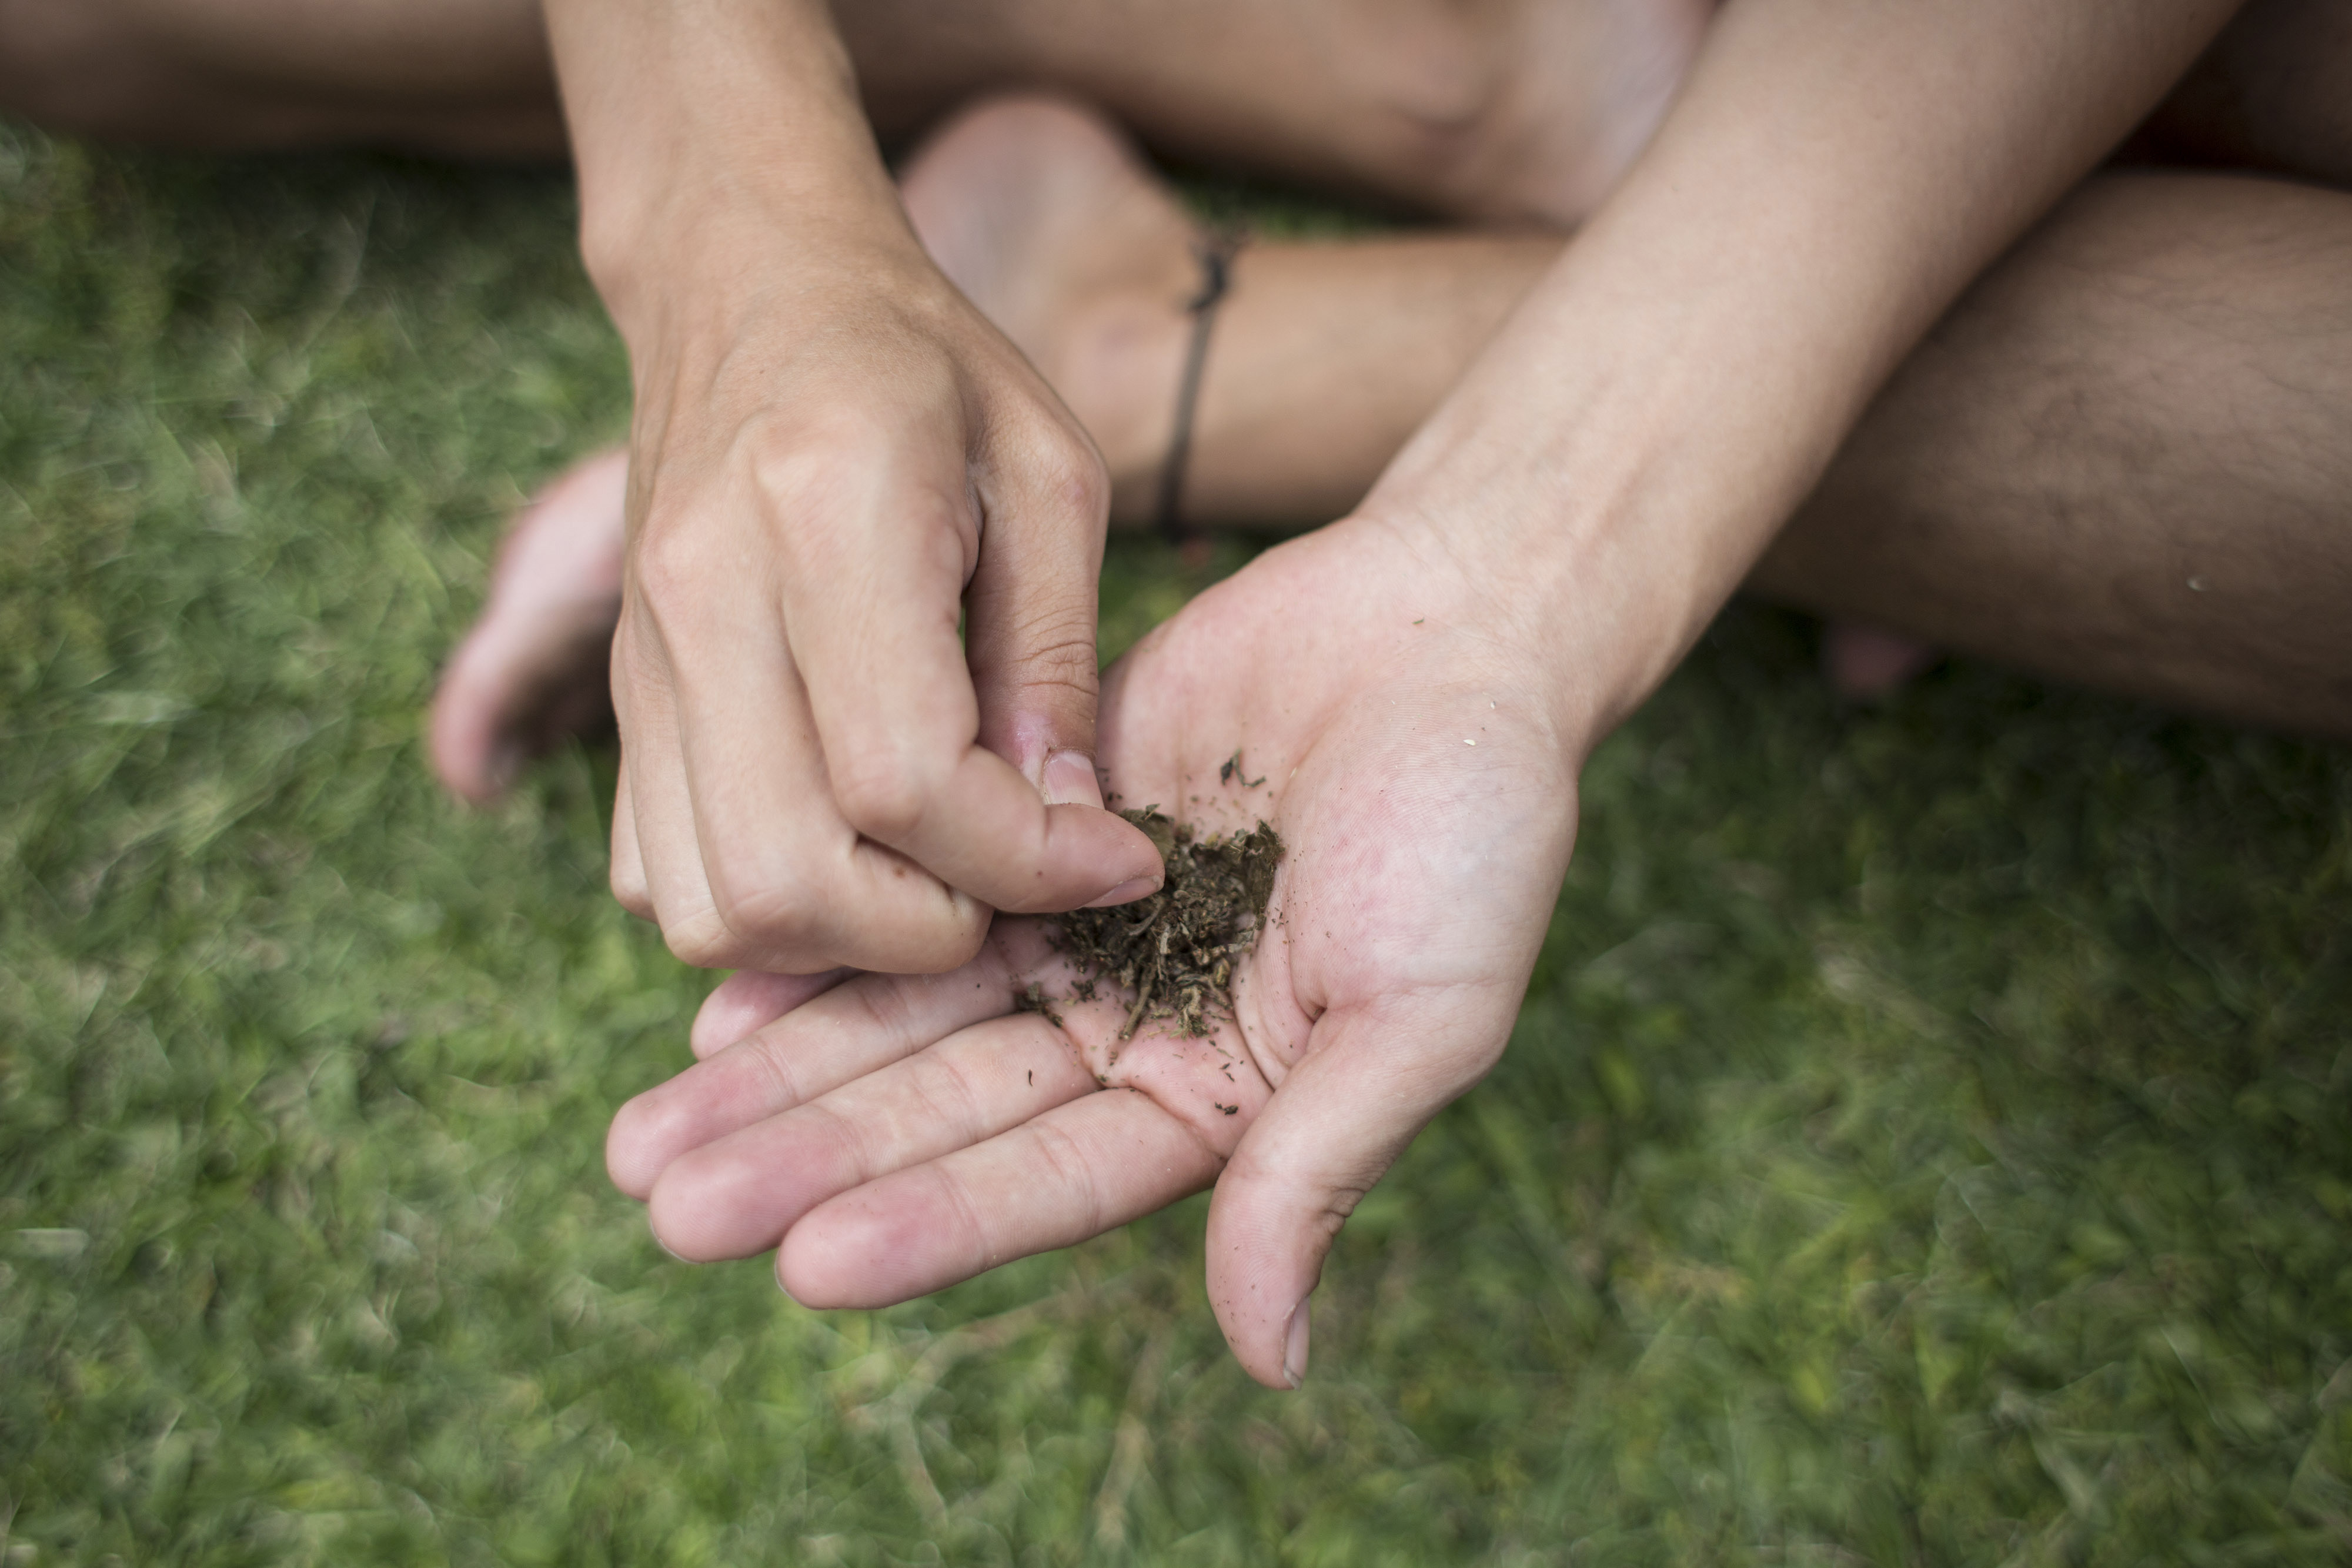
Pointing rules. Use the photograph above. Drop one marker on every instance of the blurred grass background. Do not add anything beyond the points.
(1928, 1138)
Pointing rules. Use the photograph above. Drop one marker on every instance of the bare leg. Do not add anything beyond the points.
(1443, 122)
(458, 77)
(1046, 219)
(1515, 108)
(534, 668)
(1324, 357)
(1523, 109)
(2122, 458)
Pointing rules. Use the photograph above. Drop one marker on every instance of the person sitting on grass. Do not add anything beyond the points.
(2115, 459)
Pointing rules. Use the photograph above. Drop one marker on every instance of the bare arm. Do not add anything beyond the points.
(696, 127)
(1836, 172)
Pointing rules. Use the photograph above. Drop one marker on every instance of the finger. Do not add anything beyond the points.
(1075, 1172)
(1370, 1078)
(736, 1197)
(669, 886)
(850, 1030)
(629, 872)
(786, 884)
(1030, 612)
(893, 703)
(751, 999)
(793, 884)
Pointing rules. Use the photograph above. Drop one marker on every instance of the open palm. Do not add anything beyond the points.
(890, 1135)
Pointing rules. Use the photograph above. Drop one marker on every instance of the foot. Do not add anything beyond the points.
(1048, 221)
(534, 669)
(1866, 664)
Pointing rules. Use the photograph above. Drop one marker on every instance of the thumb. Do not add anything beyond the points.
(1030, 610)
(1371, 1078)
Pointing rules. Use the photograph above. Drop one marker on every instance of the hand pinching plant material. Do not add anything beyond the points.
(1175, 950)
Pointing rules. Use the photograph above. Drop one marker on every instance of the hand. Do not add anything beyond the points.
(833, 456)
(895, 1134)
(822, 473)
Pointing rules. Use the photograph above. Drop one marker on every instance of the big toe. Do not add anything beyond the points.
(533, 669)
(473, 756)
(515, 691)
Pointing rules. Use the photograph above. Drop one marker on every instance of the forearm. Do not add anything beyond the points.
(1836, 172)
(707, 135)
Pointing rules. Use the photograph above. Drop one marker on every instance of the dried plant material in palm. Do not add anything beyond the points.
(1174, 951)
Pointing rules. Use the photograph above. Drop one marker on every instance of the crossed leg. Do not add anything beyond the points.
(1522, 110)
(1517, 110)
(2117, 461)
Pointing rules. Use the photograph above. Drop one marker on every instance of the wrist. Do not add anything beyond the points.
(1421, 609)
(712, 141)
(700, 259)
(1599, 568)
(1623, 450)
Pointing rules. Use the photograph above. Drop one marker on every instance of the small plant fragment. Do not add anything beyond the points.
(1034, 1000)
(1174, 951)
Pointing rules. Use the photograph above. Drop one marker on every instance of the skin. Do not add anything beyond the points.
(897, 1133)
(819, 449)
(1606, 470)
(2184, 323)
(1598, 483)
(2106, 466)
(2137, 396)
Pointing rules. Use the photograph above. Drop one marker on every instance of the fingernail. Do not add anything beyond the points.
(1293, 1346)
(1128, 892)
(1069, 780)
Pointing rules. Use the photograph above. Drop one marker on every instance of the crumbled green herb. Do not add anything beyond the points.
(1174, 951)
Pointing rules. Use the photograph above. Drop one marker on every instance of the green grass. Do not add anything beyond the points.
(1928, 1138)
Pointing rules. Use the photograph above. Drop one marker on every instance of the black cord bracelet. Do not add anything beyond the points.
(1216, 254)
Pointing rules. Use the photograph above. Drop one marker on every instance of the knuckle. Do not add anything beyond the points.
(768, 912)
(884, 790)
(1066, 1165)
(668, 568)
(800, 462)
(1069, 475)
(702, 940)
(776, 1062)
(1058, 657)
